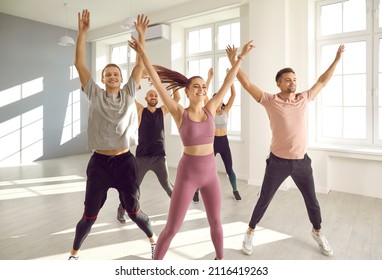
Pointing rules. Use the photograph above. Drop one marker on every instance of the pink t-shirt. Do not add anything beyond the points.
(288, 121)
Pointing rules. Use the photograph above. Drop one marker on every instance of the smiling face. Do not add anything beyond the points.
(112, 78)
(287, 83)
(152, 98)
(196, 89)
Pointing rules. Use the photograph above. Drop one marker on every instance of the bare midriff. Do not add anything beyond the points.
(112, 152)
(220, 131)
(199, 150)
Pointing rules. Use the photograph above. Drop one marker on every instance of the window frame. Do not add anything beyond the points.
(371, 36)
(215, 53)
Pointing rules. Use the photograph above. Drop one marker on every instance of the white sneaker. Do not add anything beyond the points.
(323, 243)
(247, 245)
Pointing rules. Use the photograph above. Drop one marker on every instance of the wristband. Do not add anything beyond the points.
(240, 57)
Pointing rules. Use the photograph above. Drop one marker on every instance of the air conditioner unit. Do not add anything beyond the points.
(155, 32)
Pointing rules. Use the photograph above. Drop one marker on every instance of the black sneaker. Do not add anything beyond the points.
(236, 196)
(196, 197)
(121, 214)
(73, 258)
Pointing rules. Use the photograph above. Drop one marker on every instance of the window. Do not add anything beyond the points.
(205, 48)
(72, 123)
(349, 109)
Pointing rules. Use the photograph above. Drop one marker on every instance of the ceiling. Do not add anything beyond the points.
(53, 11)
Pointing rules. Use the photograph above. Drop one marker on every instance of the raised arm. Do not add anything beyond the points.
(327, 75)
(231, 99)
(175, 97)
(209, 78)
(173, 107)
(80, 52)
(141, 27)
(252, 89)
(139, 110)
(208, 82)
(215, 101)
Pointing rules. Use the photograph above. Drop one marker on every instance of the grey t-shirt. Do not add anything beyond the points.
(113, 118)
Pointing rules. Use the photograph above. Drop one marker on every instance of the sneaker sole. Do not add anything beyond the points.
(326, 253)
(246, 252)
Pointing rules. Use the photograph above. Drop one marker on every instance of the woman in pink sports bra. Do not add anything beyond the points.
(197, 167)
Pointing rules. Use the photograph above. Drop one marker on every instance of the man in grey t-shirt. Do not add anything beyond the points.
(112, 129)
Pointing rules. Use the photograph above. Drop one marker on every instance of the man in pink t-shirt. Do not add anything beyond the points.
(287, 112)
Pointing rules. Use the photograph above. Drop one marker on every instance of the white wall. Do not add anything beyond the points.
(29, 51)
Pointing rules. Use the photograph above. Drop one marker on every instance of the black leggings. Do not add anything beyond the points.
(104, 172)
(277, 170)
(221, 146)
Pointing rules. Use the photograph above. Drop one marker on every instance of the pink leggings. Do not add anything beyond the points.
(193, 172)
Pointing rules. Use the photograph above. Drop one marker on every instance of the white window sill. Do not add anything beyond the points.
(359, 152)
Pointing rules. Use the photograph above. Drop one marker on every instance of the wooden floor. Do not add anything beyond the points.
(40, 205)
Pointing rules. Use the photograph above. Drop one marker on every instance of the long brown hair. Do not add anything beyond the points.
(174, 79)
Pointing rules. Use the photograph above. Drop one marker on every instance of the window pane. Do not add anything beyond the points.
(123, 54)
(133, 56)
(352, 22)
(205, 65)
(119, 54)
(199, 67)
(332, 122)
(193, 68)
(340, 17)
(328, 52)
(332, 92)
(223, 65)
(355, 123)
(224, 35)
(193, 42)
(331, 19)
(205, 40)
(115, 55)
(228, 34)
(124, 75)
(355, 90)
(235, 34)
(355, 59)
